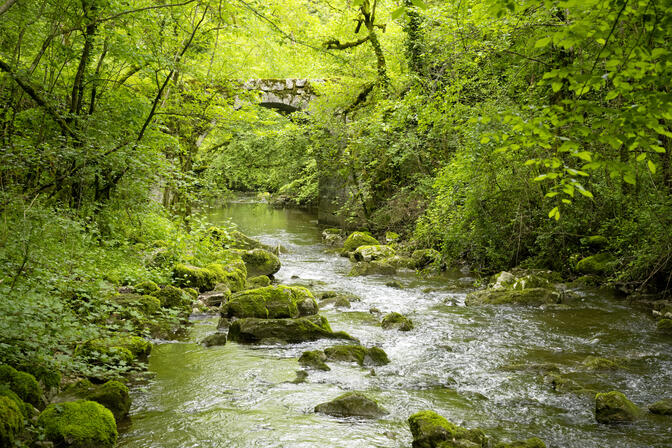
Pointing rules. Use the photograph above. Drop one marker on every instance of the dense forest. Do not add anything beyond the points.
(509, 134)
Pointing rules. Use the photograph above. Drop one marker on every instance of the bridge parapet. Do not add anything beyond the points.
(286, 95)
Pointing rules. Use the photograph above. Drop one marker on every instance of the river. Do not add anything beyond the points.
(477, 366)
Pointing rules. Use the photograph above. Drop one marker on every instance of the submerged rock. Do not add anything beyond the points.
(597, 363)
(430, 430)
(662, 407)
(303, 329)
(378, 267)
(214, 339)
(314, 359)
(372, 252)
(524, 287)
(11, 421)
(79, 424)
(352, 404)
(338, 301)
(271, 302)
(614, 407)
(357, 239)
(396, 321)
(534, 442)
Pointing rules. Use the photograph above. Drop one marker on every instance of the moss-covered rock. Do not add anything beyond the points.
(11, 421)
(26, 409)
(338, 301)
(172, 297)
(147, 287)
(79, 424)
(214, 340)
(376, 356)
(595, 241)
(597, 363)
(332, 237)
(532, 296)
(125, 348)
(189, 276)
(302, 329)
(260, 262)
(392, 237)
(216, 298)
(114, 396)
(22, 384)
(661, 407)
(259, 281)
(346, 353)
(352, 404)
(534, 442)
(271, 302)
(396, 321)
(372, 252)
(378, 267)
(598, 264)
(231, 272)
(561, 384)
(614, 407)
(430, 430)
(145, 304)
(664, 326)
(423, 258)
(314, 359)
(357, 239)
(192, 292)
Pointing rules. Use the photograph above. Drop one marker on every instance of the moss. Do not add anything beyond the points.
(664, 326)
(239, 240)
(214, 339)
(232, 273)
(392, 237)
(614, 407)
(598, 264)
(271, 302)
(372, 252)
(352, 404)
(114, 396)
(661, 407)
(357, 239)
(597, 363)
(260, 262)
(194, 277)
(533, 442)
(114, 350)
(258, 282)
(43, 373)
(376, 356)
(147, 287)
(429, 430)
(596, 241)
(22, 384)
(531, 296)
(79, 424)
(314, 359)
(289, 330)
(192, 292)
(25, 408)
(377, 267)
(149, 304)
(561, 384)
(424, 257)
(11, 421)
(172, 297)
(396, 321)
(347, 353)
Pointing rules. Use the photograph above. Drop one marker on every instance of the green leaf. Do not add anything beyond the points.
(485, 139)
(556, 86)
(419, 3)
(641, 157)
(542, 42)
(629, 178)
(398, 13)
(652, 167)
(554, 211)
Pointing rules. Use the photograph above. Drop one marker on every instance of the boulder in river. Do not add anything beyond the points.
(664, 326)
(372, 252)
(357, 239)
(377, 267)
(260, 261)
(661, 407)
(79, 424)
(314, 359)
(430, 430)
(352, 404)
(271, 302)
(257, 282)
(533, 442)
(519, 287)
(113, 395)
(396, 321)
(346, 353)
(214, 340)
(597, 363)
(232, 272)
(310, 328)
(614, 407)
(332, 237)
(200, 278)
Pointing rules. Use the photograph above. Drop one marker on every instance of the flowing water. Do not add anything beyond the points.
(477, 366)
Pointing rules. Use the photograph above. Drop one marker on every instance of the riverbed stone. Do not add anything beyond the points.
(598, 264)
(314, 359)
(172, 297)
(338, 301)
(260, 262)
(372, 252)
(22, 384)
(346, 353)
(310, 328)
(396, 321)
(661, 407)
(215, 298)
(352, 404)
(257, 282)
(376, 356)
(332, 237)
(598, 363)
(531, 296)
(11, 421)
(377, 267)
(614, 407)
(357, 239)
(664, 326)
(214, 340)
(79, 424)
(271, 302)
(113, 394)
(423, 258)
(186, 275)
(430, 430)
(533, 442)
(231, 271)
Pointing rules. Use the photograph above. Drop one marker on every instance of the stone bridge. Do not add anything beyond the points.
(285, 95)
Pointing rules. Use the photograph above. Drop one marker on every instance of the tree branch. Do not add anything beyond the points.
(335, 44)
(5, 6)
